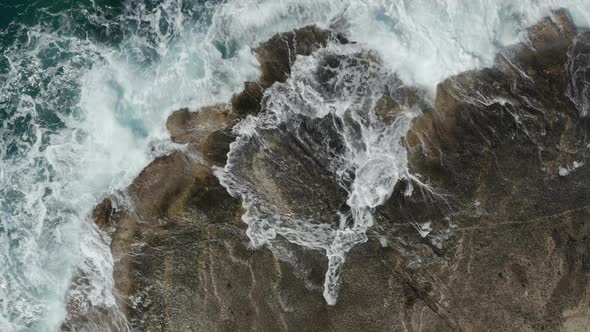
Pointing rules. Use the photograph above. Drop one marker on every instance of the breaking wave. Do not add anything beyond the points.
(86, 86)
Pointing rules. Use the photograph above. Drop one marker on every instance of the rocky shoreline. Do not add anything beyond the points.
(507, 240)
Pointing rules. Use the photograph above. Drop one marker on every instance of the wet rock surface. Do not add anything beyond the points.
(502, 143)
(496, 236)
(276, 56)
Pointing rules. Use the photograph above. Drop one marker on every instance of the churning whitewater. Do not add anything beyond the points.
(369, 166)
(86, 87)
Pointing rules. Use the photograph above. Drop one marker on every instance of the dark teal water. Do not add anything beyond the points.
(82, 95)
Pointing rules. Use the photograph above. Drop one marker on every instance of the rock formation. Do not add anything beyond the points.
(494, 236)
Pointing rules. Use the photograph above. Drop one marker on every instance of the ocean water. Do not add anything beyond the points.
(86, 86)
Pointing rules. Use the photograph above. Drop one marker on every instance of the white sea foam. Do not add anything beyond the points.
(374, 152)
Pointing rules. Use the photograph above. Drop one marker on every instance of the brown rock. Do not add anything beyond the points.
(509, 248)
(102, 213)
(491, 149)
(276, 57)
(195, 127)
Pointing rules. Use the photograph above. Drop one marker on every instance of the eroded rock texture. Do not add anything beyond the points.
(501, 143)
(504, 156)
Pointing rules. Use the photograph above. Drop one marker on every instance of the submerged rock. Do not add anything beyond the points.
(490, 238)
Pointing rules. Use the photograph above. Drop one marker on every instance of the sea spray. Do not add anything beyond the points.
(85, 92)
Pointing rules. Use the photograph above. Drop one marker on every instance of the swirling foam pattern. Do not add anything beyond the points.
(86, 86)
